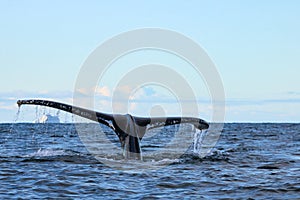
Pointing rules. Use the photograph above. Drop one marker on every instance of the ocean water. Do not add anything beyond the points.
(250, 161)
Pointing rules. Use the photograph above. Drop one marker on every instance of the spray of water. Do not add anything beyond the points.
(15, 120)
(199, 136)
(17, 115)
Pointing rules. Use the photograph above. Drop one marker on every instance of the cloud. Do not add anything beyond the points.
(126, 99)
(103, 91)
(293, 93)
(8, 100)
(5, 106)
(247, 102)
(37, 94)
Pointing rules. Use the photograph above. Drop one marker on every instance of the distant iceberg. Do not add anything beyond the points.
(47, 119)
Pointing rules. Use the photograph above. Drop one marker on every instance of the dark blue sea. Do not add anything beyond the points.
(249, 161)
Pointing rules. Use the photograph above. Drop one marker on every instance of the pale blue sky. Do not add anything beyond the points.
(254, 44)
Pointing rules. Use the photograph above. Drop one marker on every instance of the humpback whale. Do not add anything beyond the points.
(129, 129)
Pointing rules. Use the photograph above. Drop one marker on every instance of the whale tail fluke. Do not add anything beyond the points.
(130, 129)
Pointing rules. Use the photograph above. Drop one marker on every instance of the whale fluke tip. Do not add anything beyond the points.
(19, 102)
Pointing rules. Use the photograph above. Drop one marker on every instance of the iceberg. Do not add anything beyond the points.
(47, 118)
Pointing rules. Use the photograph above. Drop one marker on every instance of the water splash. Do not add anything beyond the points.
(47, 153)
(37, 116)
(17, 114)
(199, 136)
(15, 119)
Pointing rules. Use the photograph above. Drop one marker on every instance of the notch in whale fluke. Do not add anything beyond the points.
(130, 129)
